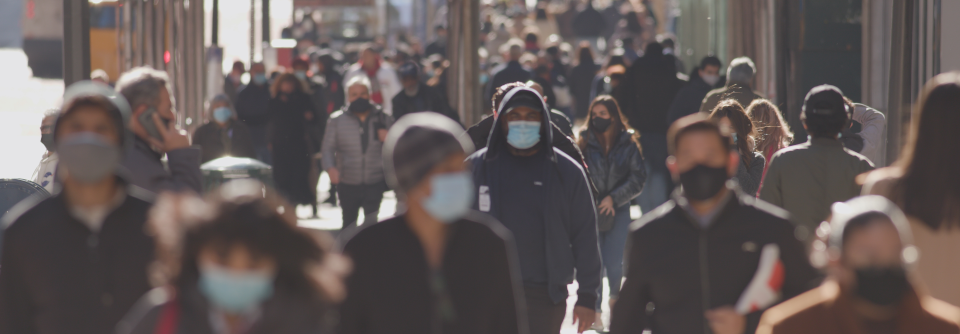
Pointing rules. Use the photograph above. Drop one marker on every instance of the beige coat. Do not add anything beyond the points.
(939, 265)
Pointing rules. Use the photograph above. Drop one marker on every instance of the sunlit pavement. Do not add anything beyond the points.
(23, 100)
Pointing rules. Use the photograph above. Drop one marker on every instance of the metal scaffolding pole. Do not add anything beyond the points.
(464, 27)
(265, 23)
(76, 41)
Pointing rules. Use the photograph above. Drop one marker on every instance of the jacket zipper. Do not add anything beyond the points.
(704, 279)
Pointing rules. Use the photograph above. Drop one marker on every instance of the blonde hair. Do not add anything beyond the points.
(772, 130)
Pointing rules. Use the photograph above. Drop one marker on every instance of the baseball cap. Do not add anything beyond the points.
(409, 69)
(527, 99)
(825, 101)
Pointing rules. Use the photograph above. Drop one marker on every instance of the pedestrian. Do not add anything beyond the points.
(232, 82)
(46, 172)
(315, 124)
(650, 85)
(253, 110)
(512, 71)
(352, 153)
(588, 25)
(384, 83)
(870, 288)
(694, 259)
(77, 261)
(290, 110)
(610, 77)
(556, 117)
(740, 74)
(233, 264)
(480, 133)
(416, 96)
(615, 166)
(872, 135)
(542, 196)
(581, 78)
(806, 179)
(924, 182)
(156, 134)
(439, 44)
(689, 97)
(457, 267)
(330, 80)
(669, 48)
(223, 135)
(773, 132)
(730, 114)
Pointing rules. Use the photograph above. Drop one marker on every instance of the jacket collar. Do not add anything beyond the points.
(623, 137)
(733, 199)
(826, 142)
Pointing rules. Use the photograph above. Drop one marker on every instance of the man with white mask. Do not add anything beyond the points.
(76, 262)
(457, 267)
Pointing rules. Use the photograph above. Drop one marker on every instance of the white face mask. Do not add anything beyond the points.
(710, 79)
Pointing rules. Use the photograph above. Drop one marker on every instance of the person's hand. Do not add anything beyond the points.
(308, 116)
(606, 206)
(334, 175)
(173, 138)
(725, 320)
(382, 134)
(585, 315)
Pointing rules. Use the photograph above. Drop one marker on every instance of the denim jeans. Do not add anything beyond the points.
(658, 186)
(612, 243)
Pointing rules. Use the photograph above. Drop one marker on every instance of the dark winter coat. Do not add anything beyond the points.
(253, 109)
(569, 214)
(620, 173)
(426, 99)
(216, 142)
(589, 23)
(507, 73)
(146, 169)
(688, 99)
(581, 78)
(291, 147)
(392, 289)
(684, 270)
(318, 124)
(284, 312)
(60, 277)
(651, 86)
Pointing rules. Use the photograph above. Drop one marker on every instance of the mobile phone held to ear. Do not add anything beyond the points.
(148, 124)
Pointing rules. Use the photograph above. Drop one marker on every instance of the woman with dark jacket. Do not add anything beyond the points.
(581, 78)
(233, 263)
(330, 80)
(439, 267)
(615, 166)
(290, 109)
(730, 114)
(223, 135)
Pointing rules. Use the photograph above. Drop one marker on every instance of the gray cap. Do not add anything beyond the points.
(416, 143)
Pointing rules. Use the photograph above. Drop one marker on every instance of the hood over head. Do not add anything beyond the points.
(520, 97)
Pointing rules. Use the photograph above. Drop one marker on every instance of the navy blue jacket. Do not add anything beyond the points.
(569, 212)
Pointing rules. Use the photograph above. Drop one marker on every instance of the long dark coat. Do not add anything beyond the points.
(291, 147)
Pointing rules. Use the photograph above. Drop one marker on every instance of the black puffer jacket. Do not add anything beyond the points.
(619, 174)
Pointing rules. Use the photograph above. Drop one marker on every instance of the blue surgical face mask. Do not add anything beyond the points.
(259, 79)
(235, 291)
(523, 134)
(302, 75)
(451, 195)
(734, 135)
(222, 114)
(88, 157)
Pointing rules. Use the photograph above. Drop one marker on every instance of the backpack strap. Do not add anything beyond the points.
(169, 318)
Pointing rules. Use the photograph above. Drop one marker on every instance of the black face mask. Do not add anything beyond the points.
(882, 286)
(360, 105)
(703, 182)
(601, 124)
(47, 140)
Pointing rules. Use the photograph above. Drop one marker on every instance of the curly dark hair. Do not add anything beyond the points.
(240, 214)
